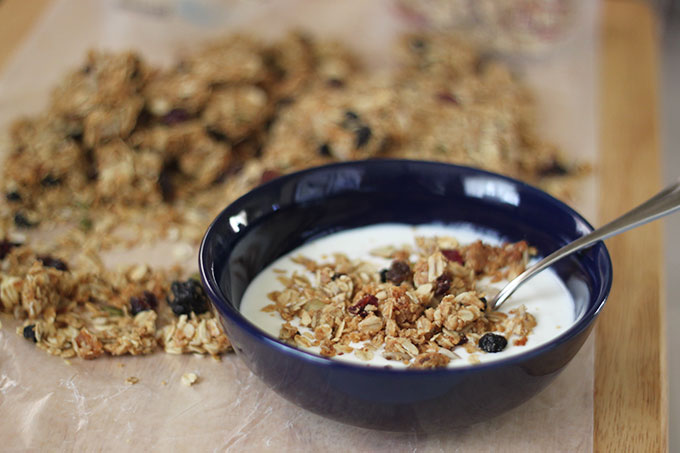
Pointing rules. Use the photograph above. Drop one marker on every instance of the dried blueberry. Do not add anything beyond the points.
(21, 221)
(145, 119)
(216, 135)
(147, 301)
(492, 342)
(483, 299)
(555, 168)
(55, 263)
(398, 272)
(166, 185)
(383, 276)
(76, 135)
(13, 196)
(187, 297)
(324, 150)
(462, 341)
(5, 247)
(29, 333)
(135, 73)
(442, 284)
(50, 181)
(335, 83)
(363, 135)
(351, 116)
(284, 102)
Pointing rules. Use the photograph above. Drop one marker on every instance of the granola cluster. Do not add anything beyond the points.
(123, 143)
(126, 153)
(418, 311)
(95, 312)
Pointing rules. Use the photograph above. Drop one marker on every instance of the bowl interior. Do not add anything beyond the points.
(279, 216)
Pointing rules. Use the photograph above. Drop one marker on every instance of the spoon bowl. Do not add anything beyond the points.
(289, 211)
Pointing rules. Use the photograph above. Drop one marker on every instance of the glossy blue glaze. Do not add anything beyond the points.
(281, 215)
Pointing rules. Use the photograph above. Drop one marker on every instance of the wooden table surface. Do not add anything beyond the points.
(631, 379)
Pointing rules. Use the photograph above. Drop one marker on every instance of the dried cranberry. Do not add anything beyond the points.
(147, 301)
(5, 247)
(13, 196)
(187, 297)
(448, 98)
(55, 263)
(442, 284)
(29, 333)
(453, 255)
(358, 308)
(175, 116)
(268, 175)
(363, 135)
(398, 272)
(492, 342)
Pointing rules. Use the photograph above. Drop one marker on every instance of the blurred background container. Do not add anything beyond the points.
(514, 26)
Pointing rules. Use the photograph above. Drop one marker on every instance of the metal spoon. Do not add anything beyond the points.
(661, 204)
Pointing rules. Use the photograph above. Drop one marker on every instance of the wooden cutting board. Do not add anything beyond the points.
(631, 380)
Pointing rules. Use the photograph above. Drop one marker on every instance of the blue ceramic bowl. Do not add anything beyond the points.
(281, 215)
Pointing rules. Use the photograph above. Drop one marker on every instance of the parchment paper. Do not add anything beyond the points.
(47, 404)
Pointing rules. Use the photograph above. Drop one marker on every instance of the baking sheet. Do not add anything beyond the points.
(47, 404)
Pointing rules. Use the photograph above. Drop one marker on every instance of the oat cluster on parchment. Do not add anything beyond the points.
(417, 311)
(126, 153)
(90, 311)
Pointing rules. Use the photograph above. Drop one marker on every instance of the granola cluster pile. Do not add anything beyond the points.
(88, 313)
(126, 153)
(123, 143)
(417, 311)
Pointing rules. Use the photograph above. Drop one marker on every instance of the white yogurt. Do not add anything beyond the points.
(544, 296)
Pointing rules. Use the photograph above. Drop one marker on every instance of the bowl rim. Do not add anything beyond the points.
(224, 308)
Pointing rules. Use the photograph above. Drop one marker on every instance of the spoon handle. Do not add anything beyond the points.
(661, 204)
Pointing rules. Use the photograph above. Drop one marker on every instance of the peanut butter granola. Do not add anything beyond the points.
(126, 153)
(417, 311)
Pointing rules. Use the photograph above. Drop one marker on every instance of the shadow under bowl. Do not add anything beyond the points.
(287, 212)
